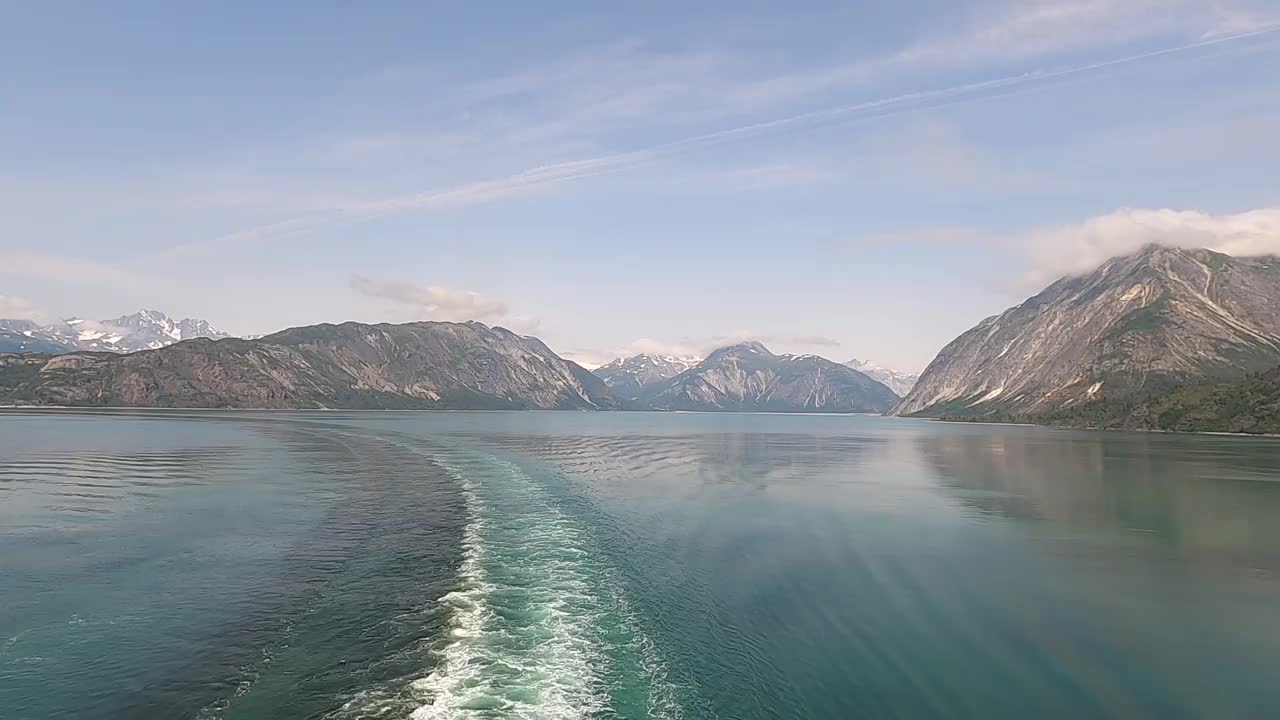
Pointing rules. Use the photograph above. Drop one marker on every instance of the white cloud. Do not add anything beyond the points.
(433, 302)
(1049, 253)
(16, 308)
(1079, 248)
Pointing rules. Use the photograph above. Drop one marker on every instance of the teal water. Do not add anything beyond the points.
(630, 565)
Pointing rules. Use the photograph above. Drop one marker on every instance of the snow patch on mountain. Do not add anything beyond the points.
(626, 376)
(143, 330)
(896, 380)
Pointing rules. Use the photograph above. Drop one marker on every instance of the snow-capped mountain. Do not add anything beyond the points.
(626, 376)
(897, 381)
(747, 377)
(144, 330)
(25, 336)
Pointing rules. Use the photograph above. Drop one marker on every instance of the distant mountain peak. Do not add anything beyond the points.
(896, 380)
(627, 376)
(143, 330)
(746, 347)
(747, 377)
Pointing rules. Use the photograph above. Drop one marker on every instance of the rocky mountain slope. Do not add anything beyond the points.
(1250, 404)
(897, 381)
(747, 377)
(626, 377)
(1138, 325)
(143, 330)
(418, 365)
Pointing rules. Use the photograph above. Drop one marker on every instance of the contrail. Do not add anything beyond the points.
(617, 162)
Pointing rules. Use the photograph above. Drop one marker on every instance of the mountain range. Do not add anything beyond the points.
(626, 377)
(427, 365)
(143, 330)
(747, 377)
(1164, 338)
(1121, 337)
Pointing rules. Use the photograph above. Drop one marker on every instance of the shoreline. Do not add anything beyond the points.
(117, 409)
(1157, 431)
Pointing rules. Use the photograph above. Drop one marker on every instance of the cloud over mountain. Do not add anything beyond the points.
(433, 302)
(1079, 248)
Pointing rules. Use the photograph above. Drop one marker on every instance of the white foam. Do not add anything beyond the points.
(522, 641)
(539, 628)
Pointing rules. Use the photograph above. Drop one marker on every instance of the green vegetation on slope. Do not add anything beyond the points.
(1248, 405)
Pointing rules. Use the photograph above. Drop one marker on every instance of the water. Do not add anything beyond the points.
(630, 565)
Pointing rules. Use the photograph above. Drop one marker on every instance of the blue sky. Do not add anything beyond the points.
(852, 179)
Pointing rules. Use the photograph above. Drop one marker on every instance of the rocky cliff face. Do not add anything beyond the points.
(627, 377)
(1143, 322)
(747, 377)
(418, 365)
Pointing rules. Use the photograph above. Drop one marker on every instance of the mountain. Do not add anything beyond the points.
(19, 336)
(1139, 325)
(748, 377)
(627, 376)
(143, 330)
(899, 382)
(428, 365)
(1250, 404)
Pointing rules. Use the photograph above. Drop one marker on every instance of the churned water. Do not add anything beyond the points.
(630, 565)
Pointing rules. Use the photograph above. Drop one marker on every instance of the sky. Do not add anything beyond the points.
(858, 179)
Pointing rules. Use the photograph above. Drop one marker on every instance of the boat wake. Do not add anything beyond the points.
(539, 628)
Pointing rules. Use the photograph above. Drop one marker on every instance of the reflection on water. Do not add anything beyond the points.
(1199, 495)
(630, 565)
(169, 567)
(882, 569)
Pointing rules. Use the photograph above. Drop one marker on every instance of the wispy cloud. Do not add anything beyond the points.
(497, 188)
(1039, 28)
(432, 302)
